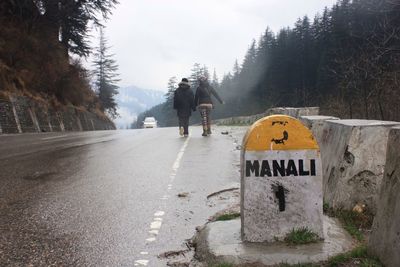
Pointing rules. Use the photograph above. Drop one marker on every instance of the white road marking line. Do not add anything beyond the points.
(177, 162)
(151, 239)
(54, 137)
(154, 232)
(155, 225)
(141, 262)
(159, 213)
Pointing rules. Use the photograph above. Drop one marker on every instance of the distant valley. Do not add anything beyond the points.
(133, 100)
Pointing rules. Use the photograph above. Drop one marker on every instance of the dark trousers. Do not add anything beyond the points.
(184, 122)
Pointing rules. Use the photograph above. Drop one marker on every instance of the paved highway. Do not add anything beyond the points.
(108, 198)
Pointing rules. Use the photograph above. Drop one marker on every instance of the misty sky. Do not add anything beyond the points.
(155, 39)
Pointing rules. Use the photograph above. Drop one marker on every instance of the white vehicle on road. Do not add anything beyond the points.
(149, 122)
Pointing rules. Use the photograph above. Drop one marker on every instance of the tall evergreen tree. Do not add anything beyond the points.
(215, 82)
(106, 76)
(69, 20)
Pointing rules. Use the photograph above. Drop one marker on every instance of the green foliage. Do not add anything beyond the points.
(299, 265)
(357, 257)
(228, 217)
(359, 254)
(301, 236)
(325, 207)
(36, 37)
(344, 60)
(353, 222)
(223, 265)
(106, 77)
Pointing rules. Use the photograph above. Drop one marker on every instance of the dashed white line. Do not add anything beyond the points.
(159, 213)
(141, 262)
(154, 232)
(151, 239)
(157, 222)
(155, 225)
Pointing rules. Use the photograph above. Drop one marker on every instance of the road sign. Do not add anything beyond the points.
(281, 180)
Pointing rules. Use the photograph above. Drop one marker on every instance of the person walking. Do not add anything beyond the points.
(184, 104)
(204, 102)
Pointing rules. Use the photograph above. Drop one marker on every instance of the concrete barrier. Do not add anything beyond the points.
(353, 158)
(385, 237)
(22, 114)
(316, 124)
(248, 120)
(294, 112)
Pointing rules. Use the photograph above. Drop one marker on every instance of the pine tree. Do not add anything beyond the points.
(215, 82)
(106, 76)
(69, 20)
(169, 96)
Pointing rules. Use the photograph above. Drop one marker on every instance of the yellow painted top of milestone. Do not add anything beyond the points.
(279, 132)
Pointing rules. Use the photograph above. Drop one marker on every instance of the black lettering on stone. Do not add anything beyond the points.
(252, 168)
(312, 167)
(291, 168)
(280, 194)
(281, 140)
(279, 168)
(279, 122)
(303, 172)
(265, 169)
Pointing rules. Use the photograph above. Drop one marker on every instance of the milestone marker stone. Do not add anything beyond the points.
(281, 180)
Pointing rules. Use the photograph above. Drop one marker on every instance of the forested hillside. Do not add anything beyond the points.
(346, 60)
(40, 43)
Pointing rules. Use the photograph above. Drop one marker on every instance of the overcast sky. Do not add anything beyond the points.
(154, 40)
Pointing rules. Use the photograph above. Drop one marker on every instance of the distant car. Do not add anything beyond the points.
(149, 122)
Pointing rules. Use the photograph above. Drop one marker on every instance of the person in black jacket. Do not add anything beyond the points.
(184, 104)
(204, 102)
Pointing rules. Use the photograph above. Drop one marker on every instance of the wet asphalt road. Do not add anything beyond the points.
(108, 198)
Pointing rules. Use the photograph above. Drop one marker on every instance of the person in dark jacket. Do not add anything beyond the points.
(204, 102)
(184, 104)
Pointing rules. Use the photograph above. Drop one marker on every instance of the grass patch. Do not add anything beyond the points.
(299, 265)
(223, 265)
(353, 222)
(301, 236)
(228, 216)
(359, 255)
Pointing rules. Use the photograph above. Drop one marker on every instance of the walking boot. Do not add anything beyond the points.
(181, 131)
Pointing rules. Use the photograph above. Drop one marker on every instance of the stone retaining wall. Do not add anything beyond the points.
(24, 115)
(385, 238)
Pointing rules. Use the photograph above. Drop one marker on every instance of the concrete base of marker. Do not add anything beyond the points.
(220, 242)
